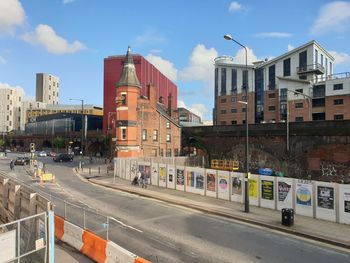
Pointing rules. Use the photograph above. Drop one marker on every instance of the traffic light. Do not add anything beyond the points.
(32, 147)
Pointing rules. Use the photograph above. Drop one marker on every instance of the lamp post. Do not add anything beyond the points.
(109, 116)
(309, 99)
(245, 85)
(82, 124)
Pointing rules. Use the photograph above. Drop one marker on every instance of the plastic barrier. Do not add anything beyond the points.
(59, 227)
(94, 247)
(73, 235)
(118, 254)
(141, 260)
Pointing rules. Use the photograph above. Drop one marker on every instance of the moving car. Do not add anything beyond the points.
(42, 154)
(51, 154)
(22, 160)
(63, 157)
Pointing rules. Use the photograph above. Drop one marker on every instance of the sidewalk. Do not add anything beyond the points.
(311, 228)
(64, 253)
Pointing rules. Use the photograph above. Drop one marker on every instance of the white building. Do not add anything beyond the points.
(47, 88)
(10, 108)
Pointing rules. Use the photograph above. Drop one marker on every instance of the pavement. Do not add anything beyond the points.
(65, 253)
(315, 229)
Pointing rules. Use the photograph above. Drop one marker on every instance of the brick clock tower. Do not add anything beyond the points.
(127, 95)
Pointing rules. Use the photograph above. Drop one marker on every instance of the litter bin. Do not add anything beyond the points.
(287, 216)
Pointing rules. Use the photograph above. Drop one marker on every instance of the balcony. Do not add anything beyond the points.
(342, 75)
(317, 69)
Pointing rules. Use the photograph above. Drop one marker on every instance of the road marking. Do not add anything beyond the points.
(125, 225)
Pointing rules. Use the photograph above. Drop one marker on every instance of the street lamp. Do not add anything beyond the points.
(245, 85)
(82, 124)
(109, 113)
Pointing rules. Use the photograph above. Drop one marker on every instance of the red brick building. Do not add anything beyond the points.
(144, 126)
(146, 74)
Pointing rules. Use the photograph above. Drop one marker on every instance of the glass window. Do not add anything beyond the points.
(168, 152)
(155, 135)
(299, 105)
(168, 137)
(123, 133)
(223, 81)
(144, 135)
(299, 119)
(216, 82)
(243, 109)
(245, 79)
(338, 117)
(321, 59)
(168, 125)
(316, 56)
(161, 152)
(233, 110)
(272, 108)
(318, 102)
(223, 111)
(234, 99)
(233, 122)
(176, 152)
(272, 95)
(123, 99)
(223, 100)
(286, 67)
(154, 153)
(338, 86)
(338, 102)
(272, 77)
(234, 80)
(303, 64)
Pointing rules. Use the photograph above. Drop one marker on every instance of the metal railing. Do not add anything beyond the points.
(311, 68)
(341, 75)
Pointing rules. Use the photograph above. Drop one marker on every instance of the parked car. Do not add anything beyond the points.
(42, 154)
(63, 157)
(22, 160)
(51, 154)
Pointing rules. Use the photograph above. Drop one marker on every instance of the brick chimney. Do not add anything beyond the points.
(152, 95)
(170, 99)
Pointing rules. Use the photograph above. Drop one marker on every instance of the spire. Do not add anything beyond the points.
(128, 76)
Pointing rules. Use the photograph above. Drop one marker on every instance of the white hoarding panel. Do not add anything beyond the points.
(154, 174)
(253, 189)
(180, 178)
(211, 179)
(344, 204)
(285, 190)
(8, 246)
(325, 201)
(237, 182)
(162, 175)
(224, 185)
(133, 169)
(171, 177)
(304, 198)
(195, 180)
(267, 191)
(127, 170)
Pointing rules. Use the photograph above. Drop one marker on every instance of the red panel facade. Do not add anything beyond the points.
(146, 73)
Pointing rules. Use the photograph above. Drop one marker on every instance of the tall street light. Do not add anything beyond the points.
(82, 124)
(245, 86)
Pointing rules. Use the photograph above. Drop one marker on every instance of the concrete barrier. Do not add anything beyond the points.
(117, 254)
(59, 227)
(73, 235)
(94, 246)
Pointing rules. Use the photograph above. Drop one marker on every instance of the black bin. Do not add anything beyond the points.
(287, 216)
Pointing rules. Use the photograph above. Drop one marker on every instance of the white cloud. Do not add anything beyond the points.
(290, 47)
(45, 36)
(340, 57)
(200, 66)
(239, 58)
(165, 66)
(7, 86)
(197, 108)
(235, 7)
(150, 37)
(155, 51)
(2, 60)
(68, 1)
(274, 34)
(11, 15)
(334, 16)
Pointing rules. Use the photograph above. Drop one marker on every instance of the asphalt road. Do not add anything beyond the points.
(166, 233)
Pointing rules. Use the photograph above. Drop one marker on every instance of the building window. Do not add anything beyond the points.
(144, 135)
(8, 96)
(318, 102)
(168, 137)
(243, 109)
(154, 153)
(299, 105)
(299, 119)
(326, 65)
(122, 99)
(161, 152)
(176, 152)
(233, 110)
(234, 99)
(244, 79)
(223, 100)
(233, 122)
(302, 64)
(338, 102)
(272, 77)
(244, 98)
(330, 68)
(223, 123)
(223, 111)
(123, 133)
(234, 80)
(286, 67)
(316, 56)
(298, 91)
(272, 108)
(168, 125)
(338, 86)
(223, 81)
(272, 95)
(168, 152)
(155, 135)
(321, 59)
(338, 117)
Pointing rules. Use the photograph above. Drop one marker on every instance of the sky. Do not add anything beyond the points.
(71, 38)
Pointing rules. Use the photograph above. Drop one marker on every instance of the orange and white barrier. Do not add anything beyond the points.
(93, 246)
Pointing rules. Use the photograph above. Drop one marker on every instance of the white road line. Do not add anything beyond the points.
(125, 225)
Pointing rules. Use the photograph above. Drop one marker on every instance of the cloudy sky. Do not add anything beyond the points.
(70, 39)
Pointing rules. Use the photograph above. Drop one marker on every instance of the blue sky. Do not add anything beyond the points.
(70, 39)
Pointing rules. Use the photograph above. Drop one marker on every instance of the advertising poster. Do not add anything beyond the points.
(195, 180)
(325, 197)
(171, 174)
(304, 193)
(253, 188)
(284, 189)
(180, 177)
(346, 202)
(224, 185)
(267, 189)
(236, 185)
(154, 179)
(147, 171)
(199, 180)
(211, 182)
(162, 174)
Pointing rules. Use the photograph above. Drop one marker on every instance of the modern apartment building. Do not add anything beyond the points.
(29, 105)
(300, 82)
(188, 118)
(47, 88)
(10, 107)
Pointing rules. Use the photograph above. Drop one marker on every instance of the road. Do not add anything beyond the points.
(162, 232)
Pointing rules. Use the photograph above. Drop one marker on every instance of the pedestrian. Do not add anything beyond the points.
(139, 175)
(144, 180)
(12, 165)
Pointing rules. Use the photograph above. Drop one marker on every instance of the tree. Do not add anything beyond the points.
(58, 142)
(2, 143)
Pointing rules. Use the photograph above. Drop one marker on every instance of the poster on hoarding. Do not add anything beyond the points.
(325, 197)
(211, 182)
(236, 185)
(267, 187)
(347, 202)
(195, 179)
(162, 174)
(180, 177)
(304, 193)
(253, 188)
(284, 189)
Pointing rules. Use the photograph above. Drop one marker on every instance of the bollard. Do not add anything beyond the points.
(89, 170)
(99, 170)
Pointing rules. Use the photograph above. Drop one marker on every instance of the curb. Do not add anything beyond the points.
(238, 218)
